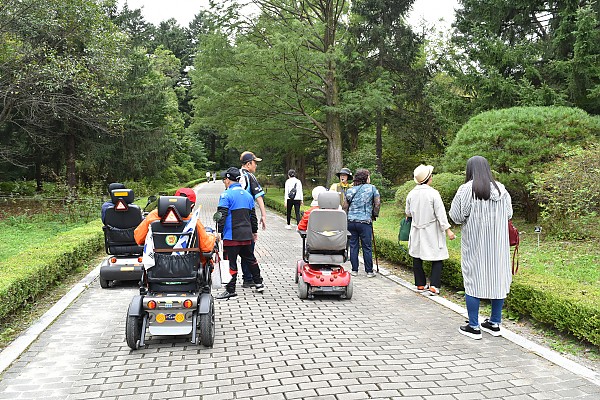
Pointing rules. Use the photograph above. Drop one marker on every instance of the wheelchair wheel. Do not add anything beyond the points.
(296, 274)
(207, 326)
(133, 331)
(302, 288)
(103, 282)
(349, 290)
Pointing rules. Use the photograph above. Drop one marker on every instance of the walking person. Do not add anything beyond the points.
(427, 240)
(345, 183)
(362, 203)
(293, 197)
(239, 228)
(483, 206)
(249, 183)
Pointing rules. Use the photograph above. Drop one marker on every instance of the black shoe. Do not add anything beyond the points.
(247, 285)
(226, 295)
(259, 287)
(469, 331)
(492, 329)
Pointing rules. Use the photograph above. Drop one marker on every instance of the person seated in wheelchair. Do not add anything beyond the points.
(303, 224)
(120, 219)
(206, 242)
(109, 203)
(326, 234)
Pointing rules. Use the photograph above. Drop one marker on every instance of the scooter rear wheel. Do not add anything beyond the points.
(302, 288)
(133, 331)
(207, 326)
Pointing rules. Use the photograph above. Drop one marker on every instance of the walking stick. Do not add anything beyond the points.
(374, 247)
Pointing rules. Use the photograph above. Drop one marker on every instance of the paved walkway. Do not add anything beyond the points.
(387, 342)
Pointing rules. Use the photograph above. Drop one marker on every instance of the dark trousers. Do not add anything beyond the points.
(361, 233)
(246, 254)
(436, 273)
(246, 273)
(296, 204)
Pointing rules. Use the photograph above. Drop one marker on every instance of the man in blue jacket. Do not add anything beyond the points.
(238, 226)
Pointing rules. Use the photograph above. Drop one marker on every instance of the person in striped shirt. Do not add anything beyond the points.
(483, 206)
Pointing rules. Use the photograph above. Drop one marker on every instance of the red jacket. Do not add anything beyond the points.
(303, 224)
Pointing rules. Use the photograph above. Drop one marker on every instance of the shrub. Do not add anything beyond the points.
(520, 141)
(445, 183)
(569, 194)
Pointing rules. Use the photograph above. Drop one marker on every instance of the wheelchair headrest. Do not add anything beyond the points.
(329, 200)
(182, 205)
(125, 194)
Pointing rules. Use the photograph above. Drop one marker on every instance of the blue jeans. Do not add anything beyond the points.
(473, 310)
(246, 274)
(364, 233)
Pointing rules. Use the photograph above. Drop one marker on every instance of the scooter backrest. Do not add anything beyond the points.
(329, 200)
(183, 205)
(327, 228)
(125, 195)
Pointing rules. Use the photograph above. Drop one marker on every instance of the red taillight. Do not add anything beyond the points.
(322, 279)
(113, 260)
(331, 279)
(187, 304)
(139, 259)
(152, 304)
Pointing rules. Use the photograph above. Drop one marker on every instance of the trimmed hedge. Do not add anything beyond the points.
(46, 264)
(558, 302)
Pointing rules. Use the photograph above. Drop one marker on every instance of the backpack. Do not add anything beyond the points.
(292, 193)
(513, 240)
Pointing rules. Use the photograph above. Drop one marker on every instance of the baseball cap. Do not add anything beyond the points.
(232, 173)
(187, 192)
(248, 156)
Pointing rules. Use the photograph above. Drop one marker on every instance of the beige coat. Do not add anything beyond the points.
(427, 239)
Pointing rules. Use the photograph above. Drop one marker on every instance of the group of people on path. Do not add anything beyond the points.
(481, 205)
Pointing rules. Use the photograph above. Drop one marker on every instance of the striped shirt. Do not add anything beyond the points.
(485, 251)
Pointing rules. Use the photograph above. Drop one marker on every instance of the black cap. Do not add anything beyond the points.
(232, 173)
(248, 156)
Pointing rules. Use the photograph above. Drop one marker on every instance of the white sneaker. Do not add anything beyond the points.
(288, 227)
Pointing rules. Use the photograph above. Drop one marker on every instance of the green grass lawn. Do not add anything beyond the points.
(19, 233)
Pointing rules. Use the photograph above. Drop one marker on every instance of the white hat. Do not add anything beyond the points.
(315, 194)
(422, 173)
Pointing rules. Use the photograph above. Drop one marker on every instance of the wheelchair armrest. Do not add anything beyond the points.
(302, 233)
(208, 256)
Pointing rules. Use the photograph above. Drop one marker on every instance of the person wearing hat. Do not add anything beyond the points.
(206, 242)
(345, 177)
(238, 226)
(362, 204)
(303, 224)
(109, 204)
(427, 240)
(249, 183)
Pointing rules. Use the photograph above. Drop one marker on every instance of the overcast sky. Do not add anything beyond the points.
(156, 11)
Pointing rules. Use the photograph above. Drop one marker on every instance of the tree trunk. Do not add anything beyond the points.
(71, 173)
(333, 132)
(38, 176)
(379, 143)
(352, 131)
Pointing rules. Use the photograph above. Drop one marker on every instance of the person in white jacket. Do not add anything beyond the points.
(293, 187)
(427, 240)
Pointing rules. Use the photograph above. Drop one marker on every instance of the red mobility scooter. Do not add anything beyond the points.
(324, 247)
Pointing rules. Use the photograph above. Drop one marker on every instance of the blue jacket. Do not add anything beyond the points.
(238, 221)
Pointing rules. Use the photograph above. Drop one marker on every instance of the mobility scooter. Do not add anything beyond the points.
(124, 261)
(324, 248)
(175, 293)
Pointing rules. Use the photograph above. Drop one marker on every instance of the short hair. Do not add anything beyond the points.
(292, 173)
(361, 175)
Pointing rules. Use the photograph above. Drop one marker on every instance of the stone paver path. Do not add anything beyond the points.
(387, 342)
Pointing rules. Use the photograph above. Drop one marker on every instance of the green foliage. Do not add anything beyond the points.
(568, 190)
(22, 281)
(445, 183)
(520, 141)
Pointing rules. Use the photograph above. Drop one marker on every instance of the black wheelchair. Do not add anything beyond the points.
(175, 294)
(124, 261)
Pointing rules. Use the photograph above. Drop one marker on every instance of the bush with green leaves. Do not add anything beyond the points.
(520, 141)
(445, 183)
(569, 194)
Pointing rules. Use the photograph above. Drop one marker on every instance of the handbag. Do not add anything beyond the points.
(404, 232)
(513, 240)
(292, 193)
